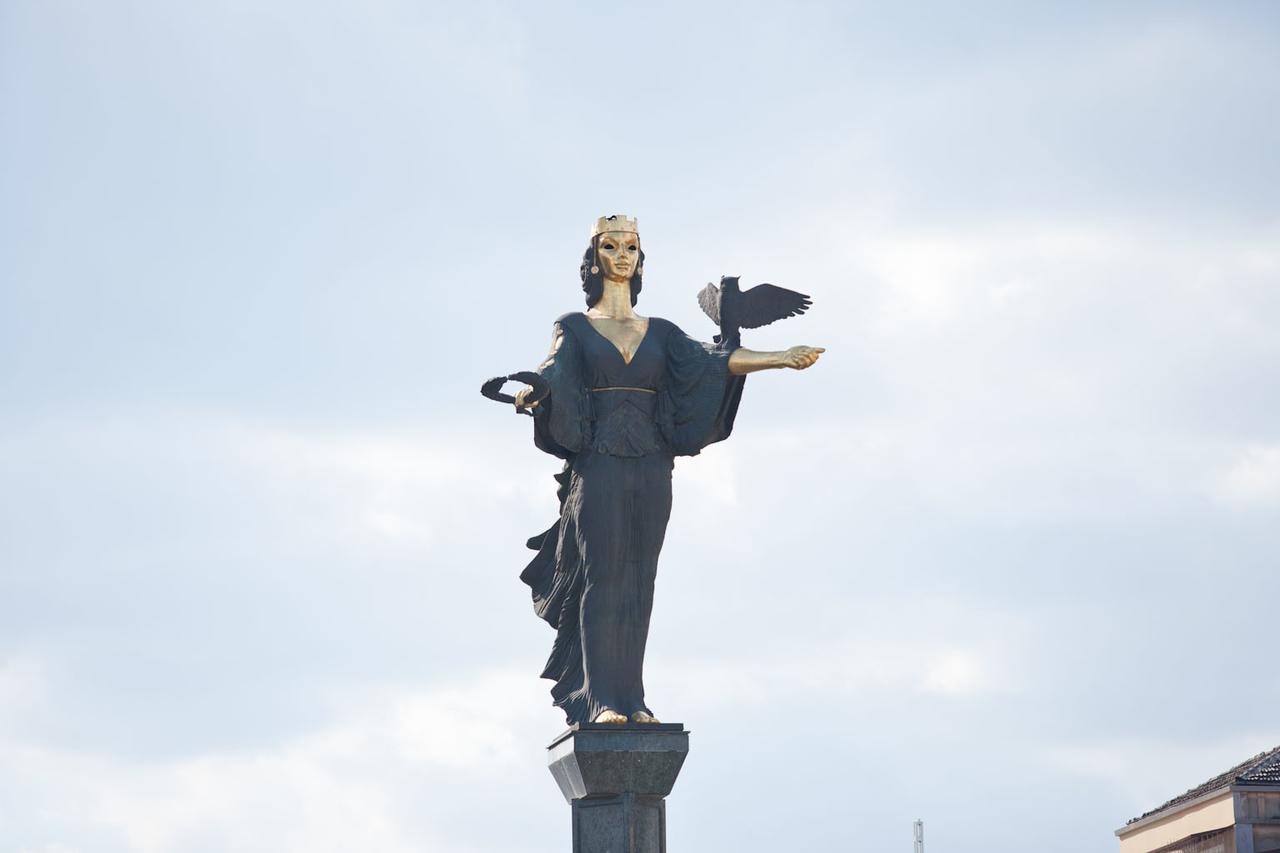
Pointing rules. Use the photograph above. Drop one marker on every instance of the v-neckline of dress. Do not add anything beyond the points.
(648, 322)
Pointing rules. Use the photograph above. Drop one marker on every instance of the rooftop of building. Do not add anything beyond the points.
(1262, 769)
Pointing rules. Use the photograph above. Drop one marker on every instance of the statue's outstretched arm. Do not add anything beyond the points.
(743, 360)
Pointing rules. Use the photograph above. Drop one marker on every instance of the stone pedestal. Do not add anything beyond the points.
(615, 779)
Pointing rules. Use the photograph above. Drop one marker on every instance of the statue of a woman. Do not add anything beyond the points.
(627, 395)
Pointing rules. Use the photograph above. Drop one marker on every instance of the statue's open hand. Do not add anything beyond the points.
(798, 358)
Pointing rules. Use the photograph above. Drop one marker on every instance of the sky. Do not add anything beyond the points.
(1004, 560)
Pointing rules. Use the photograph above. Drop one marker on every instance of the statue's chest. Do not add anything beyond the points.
(608, 364)
(626, 338)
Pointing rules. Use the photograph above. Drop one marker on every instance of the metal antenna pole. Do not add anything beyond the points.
(918, 828)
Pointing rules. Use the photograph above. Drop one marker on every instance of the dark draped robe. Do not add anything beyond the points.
(619, 427)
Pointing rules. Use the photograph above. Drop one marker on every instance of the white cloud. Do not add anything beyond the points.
(348, 786)
(1252, 480)
(23, 679)
(952, 650)
(995, 276)
(382, 488)
(1041, 367)
(956, 672)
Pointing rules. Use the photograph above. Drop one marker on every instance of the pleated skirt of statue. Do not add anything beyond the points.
(612, 524)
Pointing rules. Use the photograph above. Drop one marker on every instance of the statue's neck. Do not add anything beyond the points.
(615, 301)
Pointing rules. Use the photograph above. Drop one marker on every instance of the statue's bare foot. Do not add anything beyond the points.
(608, 715)
(643, 717)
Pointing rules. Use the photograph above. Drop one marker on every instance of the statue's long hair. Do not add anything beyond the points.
(593, 282)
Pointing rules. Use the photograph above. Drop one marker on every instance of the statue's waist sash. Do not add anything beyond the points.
(625, 420)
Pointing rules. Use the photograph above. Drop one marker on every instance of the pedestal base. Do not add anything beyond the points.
(614, 779)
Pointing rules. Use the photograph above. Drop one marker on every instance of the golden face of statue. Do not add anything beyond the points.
(618, 253)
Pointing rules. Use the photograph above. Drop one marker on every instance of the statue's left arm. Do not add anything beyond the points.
(743, 361)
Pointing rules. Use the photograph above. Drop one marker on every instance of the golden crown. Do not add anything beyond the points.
(617, 222)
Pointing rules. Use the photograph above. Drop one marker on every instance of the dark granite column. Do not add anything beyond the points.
(615, 779)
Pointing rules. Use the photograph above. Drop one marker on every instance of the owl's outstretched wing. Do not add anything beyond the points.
(709, 299)
(765, 303)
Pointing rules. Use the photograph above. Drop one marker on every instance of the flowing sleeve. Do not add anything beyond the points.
(700, 398)
(561, 422)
